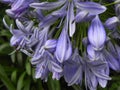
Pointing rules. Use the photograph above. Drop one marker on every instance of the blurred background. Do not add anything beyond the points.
(16, 72)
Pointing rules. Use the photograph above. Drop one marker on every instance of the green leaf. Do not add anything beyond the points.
(20, 83)
(19, 58)
(3, 46)
(27, 84)
(14, 76)
(13, 58)
(28, 68)
(5, 79)
(53, 84)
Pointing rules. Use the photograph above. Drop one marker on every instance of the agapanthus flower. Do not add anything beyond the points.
(73, 69)
(52, 39)
(96, 72)
(112, 61)
(111, 23)
(7, 1)
(92, 54)
(63, 48)
(18, 8)
(97, 34)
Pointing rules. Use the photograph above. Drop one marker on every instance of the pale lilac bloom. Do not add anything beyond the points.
(18, 8)
(73, 69)
(91, 7)
(97, 34)
(7, 1)
(92, 54)
(47, 64)
(96, 72)
(111, 60)
(88, 10)
(111, 23)
(63, 48)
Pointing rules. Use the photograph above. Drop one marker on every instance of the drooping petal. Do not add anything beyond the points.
(69, 49)
(61, 12)
(72, 72)
(47, 5)
(97, 34)
(71, 18)
(50, 44)
(92, 54)
(47, 21)
(15, 41)
(91, 7)
(111, 23)
(112, 61)
(17, 4)
(81, 16)
(61, 47)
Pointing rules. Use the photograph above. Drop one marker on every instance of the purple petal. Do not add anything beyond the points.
(56, 67)
(71, 18)
(91, 7)
(92, 54)
(61, 46)
(50, 43)
(47, 21)
(113, 63)
(17, 4)
(10, 12)
(81, 16)
(97, 34)
(72, 72)
(61, 12)
(111, 22)
(47, 5)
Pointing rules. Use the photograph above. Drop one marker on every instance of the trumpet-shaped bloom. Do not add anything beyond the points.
(91, 7)
(18, 8)
(112, 61)
(97, 34)
(96, 72)
(63, 48)
(111, 23)
(73, 69)
(92, 54)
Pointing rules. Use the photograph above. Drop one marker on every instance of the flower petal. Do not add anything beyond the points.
(47, 5)
(97, 34)
(91, 7)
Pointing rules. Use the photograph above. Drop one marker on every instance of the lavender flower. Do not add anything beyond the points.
(52, 40)
(92, 54)
(73, 69)
(97, 34)
(18, 8)
(63, 48)
(111, 23)
(96, 72)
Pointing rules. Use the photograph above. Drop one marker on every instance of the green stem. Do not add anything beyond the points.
(116, 2)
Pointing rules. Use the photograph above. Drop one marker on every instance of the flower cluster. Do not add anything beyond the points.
(48, 33)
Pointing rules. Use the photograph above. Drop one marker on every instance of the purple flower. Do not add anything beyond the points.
(91, 7)
(111, 60)
(7, 1)
(63, 48)
(73, 69)
(96, 34)
(71, 16)
(47, 5)
(92, 54)
(18, 8)
(111, 23)
(46, 64)
(96, 72)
